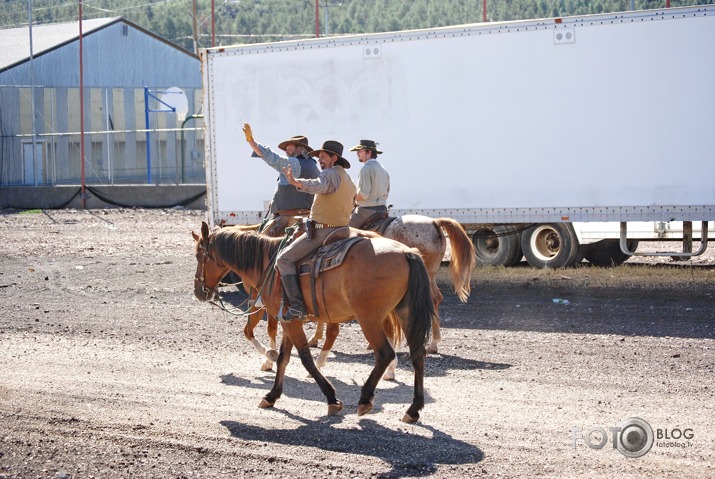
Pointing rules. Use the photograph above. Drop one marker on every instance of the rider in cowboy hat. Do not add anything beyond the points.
(334, 193)
(373, 185)
(287, 200)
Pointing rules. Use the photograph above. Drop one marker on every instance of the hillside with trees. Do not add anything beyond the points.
(252, 21)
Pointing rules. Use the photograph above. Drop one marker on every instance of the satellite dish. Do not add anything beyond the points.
(175, 98)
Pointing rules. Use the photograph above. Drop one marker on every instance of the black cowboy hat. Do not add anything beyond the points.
(333, 148)
(366, 145)
(298, 140)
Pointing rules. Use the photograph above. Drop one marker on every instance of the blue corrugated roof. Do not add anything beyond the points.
(46, 37)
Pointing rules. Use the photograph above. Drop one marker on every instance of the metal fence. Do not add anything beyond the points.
(119, 146)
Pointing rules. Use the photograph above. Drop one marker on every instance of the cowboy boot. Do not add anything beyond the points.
(291, 286)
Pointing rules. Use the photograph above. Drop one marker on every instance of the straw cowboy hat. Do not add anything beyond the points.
(366, 145)
(333, 148)
(299, 140)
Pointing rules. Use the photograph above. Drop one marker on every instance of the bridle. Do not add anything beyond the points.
(199, 277)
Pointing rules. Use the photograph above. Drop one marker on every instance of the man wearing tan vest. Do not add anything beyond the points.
(334, 192)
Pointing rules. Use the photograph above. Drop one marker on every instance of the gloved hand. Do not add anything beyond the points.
(247, 131)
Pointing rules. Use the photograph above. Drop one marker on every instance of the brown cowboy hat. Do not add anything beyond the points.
(298, 140)
(333, 148)
(366, 145)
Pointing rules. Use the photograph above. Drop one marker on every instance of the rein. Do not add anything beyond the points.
(201, 279)
(269, 272)
(264, 279)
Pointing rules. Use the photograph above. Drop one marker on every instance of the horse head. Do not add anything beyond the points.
(209, 269)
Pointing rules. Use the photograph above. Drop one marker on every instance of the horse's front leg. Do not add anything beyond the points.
(318, 335)
(331, 334)
(294, 330)
(254, 317)
(283, 357)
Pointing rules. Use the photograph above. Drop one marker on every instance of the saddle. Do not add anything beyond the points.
(331, 255)
(378, 223)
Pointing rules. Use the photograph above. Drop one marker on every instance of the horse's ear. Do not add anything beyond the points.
(196, 237)
(204, 230)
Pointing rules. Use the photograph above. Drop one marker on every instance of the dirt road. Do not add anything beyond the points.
(110, 368)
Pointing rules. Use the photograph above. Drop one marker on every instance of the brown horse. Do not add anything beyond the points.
(381, 283)
(430, 237)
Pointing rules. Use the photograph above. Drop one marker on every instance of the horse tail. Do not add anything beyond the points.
(464, 257)
(418, 301)
(392, 328)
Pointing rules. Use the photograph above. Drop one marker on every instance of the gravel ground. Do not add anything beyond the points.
(110, 368)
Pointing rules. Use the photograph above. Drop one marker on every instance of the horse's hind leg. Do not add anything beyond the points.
(418, 401)
(318, 335)
(331, 334)
(437, 297)
(390, 372)
(384, 355)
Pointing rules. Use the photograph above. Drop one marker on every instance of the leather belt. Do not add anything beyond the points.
(320, 226)
(293, 212)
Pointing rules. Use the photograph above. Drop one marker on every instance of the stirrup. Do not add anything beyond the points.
(294, 313)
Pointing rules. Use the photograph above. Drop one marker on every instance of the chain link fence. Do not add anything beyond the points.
(127, 139)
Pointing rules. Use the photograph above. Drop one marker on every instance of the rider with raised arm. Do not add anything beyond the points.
(287, 200)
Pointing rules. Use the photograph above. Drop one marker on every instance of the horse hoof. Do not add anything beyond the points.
(272, 355)
(389, 377)
(333, 409)
(431, 350)
(313, 343)
(267, 366)
(409, 419)
(364, 409)
(265, 404)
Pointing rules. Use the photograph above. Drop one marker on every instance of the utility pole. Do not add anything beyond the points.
(326, 18)
(193, 16)
(213, 23)
(317, 18)
(81, 104)
(32, 99)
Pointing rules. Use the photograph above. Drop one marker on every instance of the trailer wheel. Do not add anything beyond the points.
(551, 245)
(607, 253)
(498, 246)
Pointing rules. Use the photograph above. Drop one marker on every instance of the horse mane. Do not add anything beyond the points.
(243, 249)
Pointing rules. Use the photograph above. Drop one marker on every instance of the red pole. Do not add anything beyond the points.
(81, 103)
(484, 11)
(317, 18)
(213, 23)
(667, 3)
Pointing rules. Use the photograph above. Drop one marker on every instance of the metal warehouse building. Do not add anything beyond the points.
(135, 83)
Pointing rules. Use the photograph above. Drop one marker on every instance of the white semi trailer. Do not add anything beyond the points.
(553, 139)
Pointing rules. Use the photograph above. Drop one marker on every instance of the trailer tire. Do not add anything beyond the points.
(497, 246)
(607, 253)
(551, 245)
